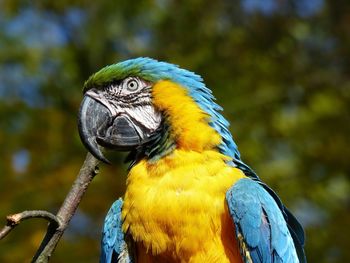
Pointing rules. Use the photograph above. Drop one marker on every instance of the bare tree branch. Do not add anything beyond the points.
(15, 219)
(86, 174)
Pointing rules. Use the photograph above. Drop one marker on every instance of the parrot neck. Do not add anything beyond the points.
(189, 124)
(192, 128)
(187, 127)
(159, 145)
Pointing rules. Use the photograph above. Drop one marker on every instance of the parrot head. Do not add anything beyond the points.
(145, 106)
(118, 116)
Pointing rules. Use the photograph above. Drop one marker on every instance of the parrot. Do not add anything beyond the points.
(189, 196)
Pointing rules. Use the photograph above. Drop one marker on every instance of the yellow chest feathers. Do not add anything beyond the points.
(176, 207)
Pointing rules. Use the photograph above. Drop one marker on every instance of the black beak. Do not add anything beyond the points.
(98, 128)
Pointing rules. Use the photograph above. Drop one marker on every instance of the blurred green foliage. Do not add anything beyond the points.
(280, 69)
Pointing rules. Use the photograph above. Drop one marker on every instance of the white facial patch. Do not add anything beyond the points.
(131, 97)
(145, 115)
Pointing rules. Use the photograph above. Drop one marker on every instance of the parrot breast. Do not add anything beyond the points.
(176, 208)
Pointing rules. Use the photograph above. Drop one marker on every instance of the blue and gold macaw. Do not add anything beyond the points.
(189, 196)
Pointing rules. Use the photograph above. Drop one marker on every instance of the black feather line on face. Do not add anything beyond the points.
(129, 100)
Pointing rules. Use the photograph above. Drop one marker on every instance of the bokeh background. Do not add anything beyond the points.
(280, 69)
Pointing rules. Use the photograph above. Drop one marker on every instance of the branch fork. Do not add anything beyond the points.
(59, 222)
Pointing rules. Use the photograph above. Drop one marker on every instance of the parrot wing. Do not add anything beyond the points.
(114, 248)
(261, 229)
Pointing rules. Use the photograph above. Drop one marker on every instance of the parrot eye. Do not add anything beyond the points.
(132, 85)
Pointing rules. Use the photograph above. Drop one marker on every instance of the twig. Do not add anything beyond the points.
(15, 219)
(86, 174)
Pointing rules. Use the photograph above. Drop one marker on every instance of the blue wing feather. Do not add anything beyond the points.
(261, 229)
(295, 229)
(113, 245)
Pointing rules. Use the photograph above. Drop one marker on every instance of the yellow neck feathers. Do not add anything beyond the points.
(188, 122)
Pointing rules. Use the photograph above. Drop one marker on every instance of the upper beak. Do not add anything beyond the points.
(92, 117)
(99, 125)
